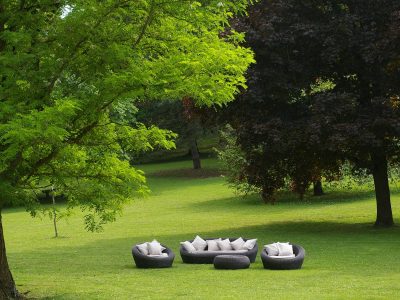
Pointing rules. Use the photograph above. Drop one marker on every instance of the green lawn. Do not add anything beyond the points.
(346, 257)
(149, 169)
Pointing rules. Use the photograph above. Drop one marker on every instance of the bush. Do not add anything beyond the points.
(234, 162)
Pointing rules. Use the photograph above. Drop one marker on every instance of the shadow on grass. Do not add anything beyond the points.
(187, 173)
(285, 200)
(332, 196)
(307, 233)
(159, 185)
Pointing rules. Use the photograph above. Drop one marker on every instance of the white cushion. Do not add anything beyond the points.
(284, 249)
(220, 252)
(143, 248)
(162, 255)
(154, 248)
(272, 249)
(188, 246)
(282, 257)
(238, 244)
(249, 244)
(224, 245)
(162, 248)
(212, 245)
(199, 243)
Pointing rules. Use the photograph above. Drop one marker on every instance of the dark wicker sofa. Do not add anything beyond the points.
(145, 261)
(205, 257)
(284, 263)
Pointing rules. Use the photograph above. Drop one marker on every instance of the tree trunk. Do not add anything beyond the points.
(384, 215)
(318, 191)
(267, 195)
(8, 289)
(54, 212)
(194, 151)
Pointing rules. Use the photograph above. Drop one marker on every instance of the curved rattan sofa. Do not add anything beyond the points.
(204, 257)
(145, 261)
(284, 263)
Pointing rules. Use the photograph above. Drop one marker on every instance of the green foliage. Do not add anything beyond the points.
(321, 94)
(233, 162)
(351, 178)
(70, 75)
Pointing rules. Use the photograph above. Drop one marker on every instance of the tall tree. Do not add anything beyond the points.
(289, 129)
(181, 117)
(66, 65)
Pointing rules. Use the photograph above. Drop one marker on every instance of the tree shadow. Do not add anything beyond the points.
(284, 199)
(307, 233)
(331, 196)
(160, 185)
(168, 184)
(186, 173)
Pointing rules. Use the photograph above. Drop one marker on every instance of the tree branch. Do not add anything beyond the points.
(145, 24)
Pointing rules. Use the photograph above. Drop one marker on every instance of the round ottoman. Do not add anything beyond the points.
(231, 262)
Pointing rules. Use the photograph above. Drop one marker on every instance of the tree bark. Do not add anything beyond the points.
(384, 215)
(53, 198)
(8, 289)
(317, 186)
(194, 151)
(267, 195)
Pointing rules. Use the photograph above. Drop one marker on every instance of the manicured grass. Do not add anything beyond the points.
(207, 163)
(346, 257)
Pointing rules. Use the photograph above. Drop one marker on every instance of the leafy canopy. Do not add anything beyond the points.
(325, 90)
(67, 68)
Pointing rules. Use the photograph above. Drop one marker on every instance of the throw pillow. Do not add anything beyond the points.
(212, 245)
(272, 249)
(249, 244)
(154, 248)
(162, 248)
(284, 249)
(224, 245)
(188, 246)
(238, 244)
(199, 243)
(143, 248)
